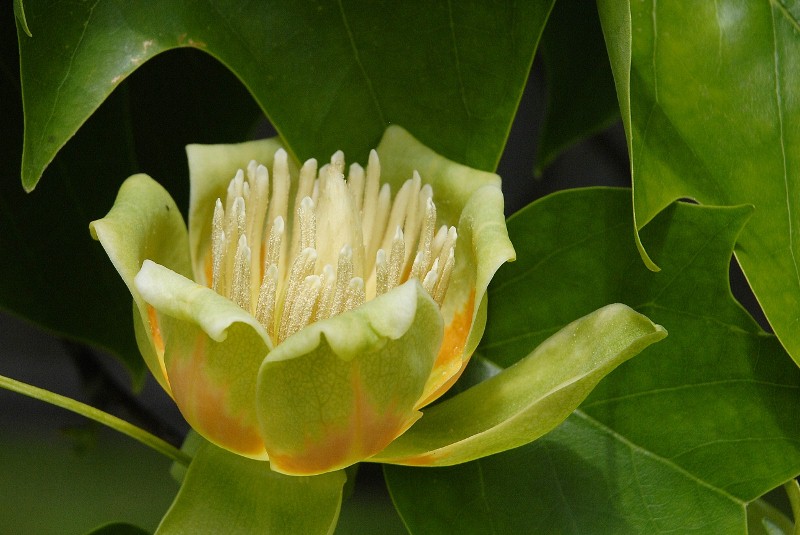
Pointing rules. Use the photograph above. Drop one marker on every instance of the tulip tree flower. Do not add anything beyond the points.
(306, 318)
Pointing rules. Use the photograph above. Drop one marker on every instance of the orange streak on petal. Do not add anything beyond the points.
(366, 433)
(451, 361)
(155, 331)
(158, 343)
(203, 403)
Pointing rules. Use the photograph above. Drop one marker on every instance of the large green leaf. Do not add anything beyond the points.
(331, 78)
(331, 75)
(580, 87)
(680, 438)
(711, 105)
(53, 273)
(226, 493)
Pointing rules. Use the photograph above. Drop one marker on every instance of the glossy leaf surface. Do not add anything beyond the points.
(350, 64)
(317, 72)
(679, 438)
(55, 274)
(225, 493)
(711, 105)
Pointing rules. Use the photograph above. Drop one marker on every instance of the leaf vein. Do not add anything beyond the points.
(66, 74)
(672, 389)
(357, 58)
(778, 105)
(655, 457)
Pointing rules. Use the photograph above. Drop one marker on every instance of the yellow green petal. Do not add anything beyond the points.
(471, 200)
(527, 400)
(340, 390)
(212, 352)
(144, 223)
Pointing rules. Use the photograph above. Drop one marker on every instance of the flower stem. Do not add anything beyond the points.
(97, 415)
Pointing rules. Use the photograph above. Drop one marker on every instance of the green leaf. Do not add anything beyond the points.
(580, 86)
(226, 493)
(350, 65)
(59, 278)
(528, 399)
(711, 108)
(54, 274)
(680, 438)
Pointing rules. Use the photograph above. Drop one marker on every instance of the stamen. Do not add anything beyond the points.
(308, 223)
(355, 184)
(444, 279)
(416, 267)
(381, 273)
(355, 225)
(370, 203)
(217, 246)
(430, 279)
(305, 188)
(302, 267)
(426, 238)
(447, 247)
(234, 230)
(438, 240)
(355, 294)
(265, 308)
(379, 222)
(274, 243)
(279, 205)
(344, 272)
(414, 216)
(398, 214)
(337, 164)
(240, 293)
(396, 258)
(234, 189)
(256, 215)
(328, 282)
(251, 170)
(300, 308)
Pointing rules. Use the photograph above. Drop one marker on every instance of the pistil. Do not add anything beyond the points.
(349, 241)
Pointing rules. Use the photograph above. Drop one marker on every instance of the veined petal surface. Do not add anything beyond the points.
(526, 400)
(341, 389)
(212, 353)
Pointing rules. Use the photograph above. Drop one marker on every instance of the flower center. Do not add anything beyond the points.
(345, 242)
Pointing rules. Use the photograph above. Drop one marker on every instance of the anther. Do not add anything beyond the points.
(240, 293)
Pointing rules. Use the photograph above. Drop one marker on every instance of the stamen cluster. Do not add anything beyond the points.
(342, 243)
